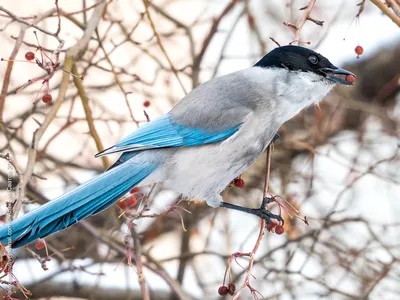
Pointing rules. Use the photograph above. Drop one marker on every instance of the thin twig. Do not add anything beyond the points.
(58, 18)
(160, 44)
(10, 64)
(69, 61)
(275, 41)
(116, 78)
(22, 21)
(303, 20)
(262, 226)
(88, 114)
(214, 27)
(139, 264)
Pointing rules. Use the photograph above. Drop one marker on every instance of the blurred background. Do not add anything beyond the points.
(337, 163)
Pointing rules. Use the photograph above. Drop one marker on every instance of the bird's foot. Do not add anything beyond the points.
(265, 214)
(261, 212)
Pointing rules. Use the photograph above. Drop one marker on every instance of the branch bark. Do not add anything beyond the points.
(303, 20)
(387, 11)
(88, 114)
(53, 288)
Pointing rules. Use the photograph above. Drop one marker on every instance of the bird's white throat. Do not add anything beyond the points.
(290, 91)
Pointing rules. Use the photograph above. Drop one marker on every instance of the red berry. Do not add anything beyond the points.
(46, 98)
(271, 226)
(359, 50)
(231, 288)
(122, 204)
(29, 56)
(279, 229)
(134, 190)
(40, 243)
(131, 201)
(146, 103)
(127, 203)
(238, 182)
(223, 290)
(350, 78)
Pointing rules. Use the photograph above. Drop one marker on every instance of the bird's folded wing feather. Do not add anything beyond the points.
(209, 114)
(162, 133)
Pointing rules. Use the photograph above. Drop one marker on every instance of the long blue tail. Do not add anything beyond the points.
(88, 199)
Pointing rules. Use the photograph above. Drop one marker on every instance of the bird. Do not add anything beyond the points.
(203, 143)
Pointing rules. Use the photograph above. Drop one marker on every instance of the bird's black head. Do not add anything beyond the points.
(295, 58)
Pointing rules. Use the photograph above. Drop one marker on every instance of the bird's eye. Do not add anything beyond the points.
(313, 59)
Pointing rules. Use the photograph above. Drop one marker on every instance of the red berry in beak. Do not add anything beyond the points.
(350, 78)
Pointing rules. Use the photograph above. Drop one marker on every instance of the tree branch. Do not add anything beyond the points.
(387, 11)
(303, 20)
(88, 114)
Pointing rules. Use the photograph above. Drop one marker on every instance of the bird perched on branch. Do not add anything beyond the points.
(209, 138)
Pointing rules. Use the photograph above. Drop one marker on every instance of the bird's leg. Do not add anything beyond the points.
(261, 212)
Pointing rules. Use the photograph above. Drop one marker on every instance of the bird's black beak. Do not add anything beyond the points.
(331, 74)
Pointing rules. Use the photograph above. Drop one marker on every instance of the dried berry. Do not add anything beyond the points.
(279, 229)
(146, 103)
(231, 288)
(46, 98)
(271, 226)
(238, 182)
(223, 290)
(29, 56)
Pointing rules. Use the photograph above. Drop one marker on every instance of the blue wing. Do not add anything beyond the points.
(163, 132)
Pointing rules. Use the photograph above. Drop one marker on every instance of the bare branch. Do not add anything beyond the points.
(303, 20)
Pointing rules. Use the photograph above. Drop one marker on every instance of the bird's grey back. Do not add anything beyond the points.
(219, 104)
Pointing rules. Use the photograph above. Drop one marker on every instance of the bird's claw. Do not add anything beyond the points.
(266, 215)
